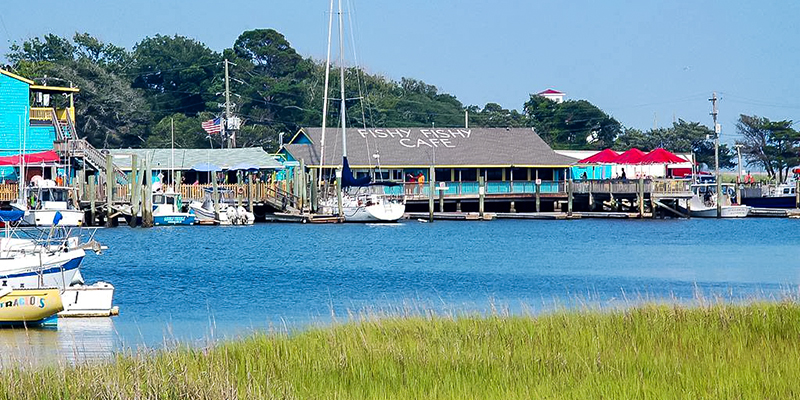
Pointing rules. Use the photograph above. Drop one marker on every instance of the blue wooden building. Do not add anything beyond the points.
(33, 118)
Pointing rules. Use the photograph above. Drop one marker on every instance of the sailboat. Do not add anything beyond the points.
(361, 199)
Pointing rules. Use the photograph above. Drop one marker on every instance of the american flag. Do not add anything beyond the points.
(212, 126)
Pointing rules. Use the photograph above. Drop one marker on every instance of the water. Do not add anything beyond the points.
(197, 284)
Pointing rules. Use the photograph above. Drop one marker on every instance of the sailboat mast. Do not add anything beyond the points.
(172, 164)
(341, 79)
(325, 93)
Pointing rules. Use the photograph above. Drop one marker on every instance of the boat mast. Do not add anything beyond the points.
(325, 93)
(341, 80)
(172, 156)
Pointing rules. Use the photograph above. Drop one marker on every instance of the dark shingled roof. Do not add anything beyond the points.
(416, 147)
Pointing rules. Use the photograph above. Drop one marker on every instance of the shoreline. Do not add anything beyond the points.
(650, 350)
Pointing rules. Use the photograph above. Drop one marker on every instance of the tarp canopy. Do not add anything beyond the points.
(606, 156)
(32, 158)
(661, 156)
(11, 215)
(796, 170)
(632, 156)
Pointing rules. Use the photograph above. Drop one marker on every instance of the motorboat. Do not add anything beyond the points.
(229, 214)
(29, 307)
(167, 210)
(47, 204)
(772, 196)
(703, 204)
(51, 257)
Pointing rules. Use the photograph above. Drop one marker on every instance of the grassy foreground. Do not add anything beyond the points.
(649, 352)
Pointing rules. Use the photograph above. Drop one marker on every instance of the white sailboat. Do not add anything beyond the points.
(361, 200)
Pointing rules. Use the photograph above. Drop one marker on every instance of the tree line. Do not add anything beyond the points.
(132, 98)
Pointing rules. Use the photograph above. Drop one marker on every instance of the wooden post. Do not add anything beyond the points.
(110, 182)
(135, 190)
(441, 197)
(640, 196)
(250, 187)
(431, 183)
(302, 186)
(147, 196)
(314, 190)
(92, 205)
(339, 193)
(538, 193)
(513, 207)
(796, 194)
(215, 194)
(569, 197)
(481, 195)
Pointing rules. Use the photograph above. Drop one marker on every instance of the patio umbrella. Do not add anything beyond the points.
(244, 166)
(206, 167)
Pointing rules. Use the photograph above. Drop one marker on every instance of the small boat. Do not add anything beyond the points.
(167, 210)
(704, 202)
(29, 307)
(772, 196)
(47, 204)
(229, 214)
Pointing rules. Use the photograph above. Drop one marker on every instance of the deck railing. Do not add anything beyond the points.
(46, 114)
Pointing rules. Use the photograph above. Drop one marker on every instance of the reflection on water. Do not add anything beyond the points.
(76, 340)
(198, 284)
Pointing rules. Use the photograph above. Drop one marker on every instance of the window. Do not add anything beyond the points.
(494, 174)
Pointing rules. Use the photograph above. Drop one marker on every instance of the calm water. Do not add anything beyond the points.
(194, 284)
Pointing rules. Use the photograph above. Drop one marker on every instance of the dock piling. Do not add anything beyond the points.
(135, 191)
(92, 195)
(640, 197)
(109, 190)
(431, 186)
(147, 196)
(481, 195)
(569, 197)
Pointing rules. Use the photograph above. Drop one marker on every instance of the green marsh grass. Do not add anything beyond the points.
(721, 351)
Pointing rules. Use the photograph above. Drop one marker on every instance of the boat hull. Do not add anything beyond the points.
(391, 212)
(29, 307)
(88, 301)
(771, 202)
(727, 212)
(228, 215)
(174, 219)
(26, 271)
(46, 217)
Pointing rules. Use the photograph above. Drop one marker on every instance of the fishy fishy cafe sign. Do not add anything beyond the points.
(414, 138)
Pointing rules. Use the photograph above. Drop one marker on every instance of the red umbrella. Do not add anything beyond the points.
(661, 156)
(606, 156)
(632, 156)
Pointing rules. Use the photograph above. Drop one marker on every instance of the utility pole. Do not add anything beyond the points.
(231, 138)
(714, 113)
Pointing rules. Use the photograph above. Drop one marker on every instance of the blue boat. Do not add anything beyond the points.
(167, 210)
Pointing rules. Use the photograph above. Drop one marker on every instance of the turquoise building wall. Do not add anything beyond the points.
(14, 106)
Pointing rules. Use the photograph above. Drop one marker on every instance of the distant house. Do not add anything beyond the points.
(457, 154)
(553, 95)
(32, 119)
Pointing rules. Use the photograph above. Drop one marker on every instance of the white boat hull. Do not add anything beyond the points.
(25, 270)
(727, 212)
(46, 217)
(88, 301)
(228, 215)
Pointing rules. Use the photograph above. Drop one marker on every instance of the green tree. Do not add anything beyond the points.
(573, 124)
(176, 74)
(681, 137)
(772, 145)
(493, 115)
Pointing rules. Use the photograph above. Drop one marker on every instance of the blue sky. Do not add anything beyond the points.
(642, 62)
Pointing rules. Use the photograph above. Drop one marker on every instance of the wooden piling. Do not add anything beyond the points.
(569, 197)
(481, 195)
(538, 193)
(314, 195)
(109, 190)
(147, 196)
(250, 187)
(92, 205)
(339, 193)
(640, 197)
(796, 194)
(431, 186)
(135, 190)
(441, 197)
(215, 194)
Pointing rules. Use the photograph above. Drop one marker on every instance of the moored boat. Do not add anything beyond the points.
(703, 203)
(29, 307)
(47, 204)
